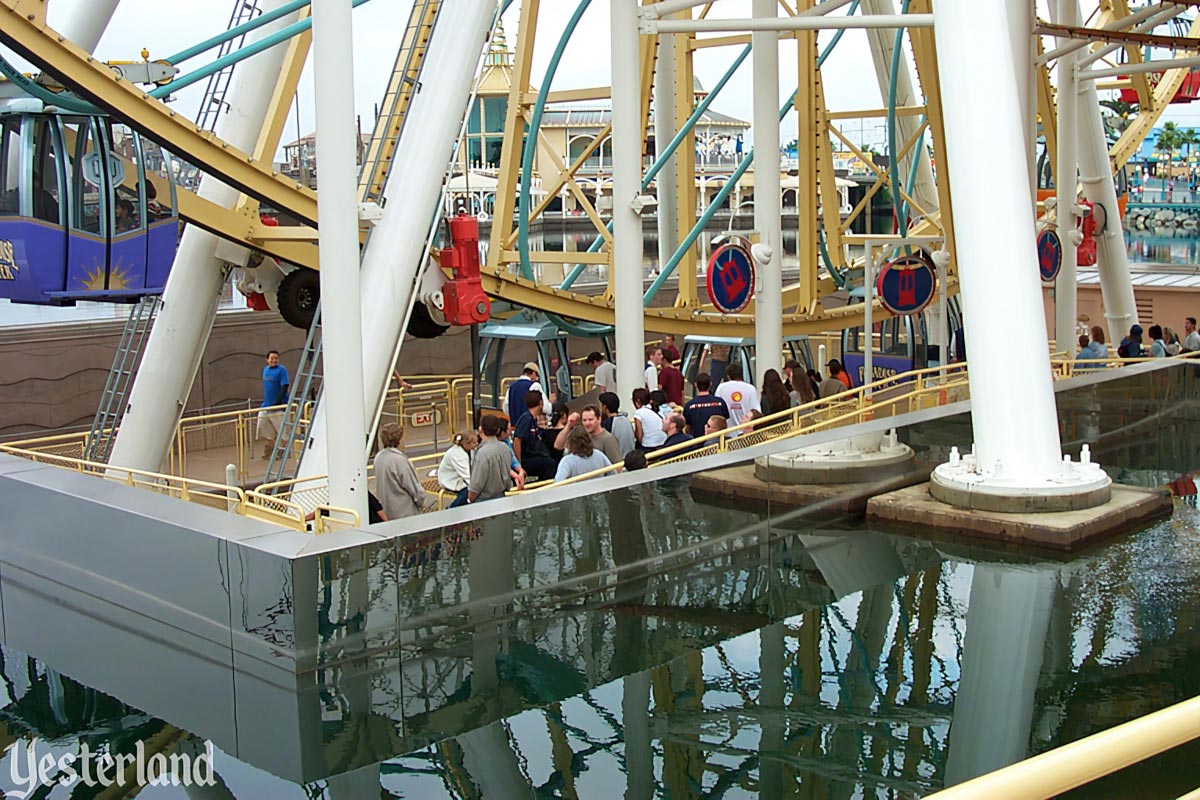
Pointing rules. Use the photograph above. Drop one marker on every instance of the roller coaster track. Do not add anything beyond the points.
(27, 34)
(22, 27)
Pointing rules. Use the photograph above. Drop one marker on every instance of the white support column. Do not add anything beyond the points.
(626, 185)
(337, 218)
(81, 21)
(1020, 20)
(391, 264)
(882, 43)
(189, 305)
(1001, 289)
(664, 132)
(1066, 190)
(768, 299)
(1112, 259)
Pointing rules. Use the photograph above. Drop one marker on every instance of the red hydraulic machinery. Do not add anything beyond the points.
(465, 301)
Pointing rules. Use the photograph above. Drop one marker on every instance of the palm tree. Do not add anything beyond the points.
(1189, 139)
(1170, 138)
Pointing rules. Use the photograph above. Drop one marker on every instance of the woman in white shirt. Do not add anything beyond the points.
(648, 425)
(454, 472)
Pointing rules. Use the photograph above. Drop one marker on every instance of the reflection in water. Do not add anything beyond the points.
(644, 643)
(1164, 249)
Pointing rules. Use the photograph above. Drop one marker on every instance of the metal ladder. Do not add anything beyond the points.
(218, 83)
(120, 379)
(404, 81)
(290, 438)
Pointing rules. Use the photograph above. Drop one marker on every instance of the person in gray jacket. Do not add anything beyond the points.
(396, 481)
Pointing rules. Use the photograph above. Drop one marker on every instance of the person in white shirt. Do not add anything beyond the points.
(654, 357)
(606, 372)
(647, 423)
(1191, 338)
(454, 471)
(741, 397)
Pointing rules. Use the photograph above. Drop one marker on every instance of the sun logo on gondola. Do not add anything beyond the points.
(94, 280)
(8, 261)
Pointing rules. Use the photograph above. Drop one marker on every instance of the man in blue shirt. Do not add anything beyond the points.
(519, 388)
(275, 393)
(704, 405)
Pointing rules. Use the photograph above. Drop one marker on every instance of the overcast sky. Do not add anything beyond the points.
(167, 26)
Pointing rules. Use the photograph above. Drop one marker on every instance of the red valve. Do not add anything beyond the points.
(1086, 253)
(465, 301)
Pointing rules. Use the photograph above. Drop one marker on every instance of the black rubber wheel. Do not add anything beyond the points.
(421, 324)
(298, 295)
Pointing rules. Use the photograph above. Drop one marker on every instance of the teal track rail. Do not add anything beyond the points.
(234, 32)
(899, 204)
(531, 138)
(266, 43)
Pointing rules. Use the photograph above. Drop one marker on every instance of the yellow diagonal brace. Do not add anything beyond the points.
(94, 81)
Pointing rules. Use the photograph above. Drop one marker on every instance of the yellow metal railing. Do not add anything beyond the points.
(1079, 763)
(909, 391)
(213, 495)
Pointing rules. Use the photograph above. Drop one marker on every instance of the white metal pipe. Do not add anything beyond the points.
(664, 132)
(627, 179)
(177, 341)
(882, 42)
(391, 263)
(669, 7)
(796, 23)
(1112, 259)
(1001, 289)
(868, 317)
(1066, 190)
(1134, 69)
(943, 334)
(337, 218)
(768, 300)
(1150, 24)
(1155, 15)
(81, 21)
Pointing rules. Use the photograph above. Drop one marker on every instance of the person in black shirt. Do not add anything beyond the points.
(528, 444)
(697, 410)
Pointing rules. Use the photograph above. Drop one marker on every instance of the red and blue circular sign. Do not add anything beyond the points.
(1050, 254)
(907, 284)
(730, 278)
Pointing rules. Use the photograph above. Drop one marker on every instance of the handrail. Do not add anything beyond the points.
(1071, 765)
(723, 438)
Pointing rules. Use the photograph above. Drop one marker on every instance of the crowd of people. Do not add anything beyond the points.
(1163, 342)
(540, 439)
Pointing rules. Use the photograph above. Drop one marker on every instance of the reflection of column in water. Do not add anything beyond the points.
(770, 705)
(488, 755)
(922, 661)
(639, 750)
(859, 690)
(680, 685)
(1007, 621)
